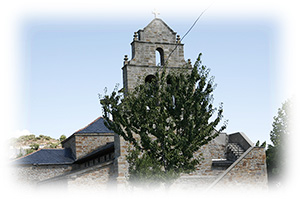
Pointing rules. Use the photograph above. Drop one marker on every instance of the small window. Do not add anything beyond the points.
(159, 57)
(169, 80)
(150, 78)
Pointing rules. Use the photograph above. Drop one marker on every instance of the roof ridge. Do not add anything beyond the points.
(159, 19)
(89, 124)
(53, 149)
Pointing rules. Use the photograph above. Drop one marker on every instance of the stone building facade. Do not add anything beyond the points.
(87, 139)
(95, 156)
(156, 39)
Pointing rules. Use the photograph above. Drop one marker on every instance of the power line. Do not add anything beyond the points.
(187, 32)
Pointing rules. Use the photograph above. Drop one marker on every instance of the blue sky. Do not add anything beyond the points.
(67, 62)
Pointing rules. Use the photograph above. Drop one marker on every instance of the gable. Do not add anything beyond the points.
(157, 31)
(97, 126)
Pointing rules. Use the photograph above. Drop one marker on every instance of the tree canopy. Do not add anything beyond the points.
(276, 160)
(165, 120)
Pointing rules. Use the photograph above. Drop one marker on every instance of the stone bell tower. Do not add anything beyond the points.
(151, 49)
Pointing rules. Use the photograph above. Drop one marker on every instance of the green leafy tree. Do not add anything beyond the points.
(261, 145)
(165, 121)
(53, 145)
(35, 146)
(62, 138)
(275, 158)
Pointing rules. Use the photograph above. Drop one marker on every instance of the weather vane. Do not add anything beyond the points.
(155, 13)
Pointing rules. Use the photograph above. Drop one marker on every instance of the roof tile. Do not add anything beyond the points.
(47, 156)
(97, 126)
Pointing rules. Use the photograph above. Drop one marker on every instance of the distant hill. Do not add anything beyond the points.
(26, 144)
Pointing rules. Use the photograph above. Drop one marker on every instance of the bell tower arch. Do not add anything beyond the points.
(151, 48)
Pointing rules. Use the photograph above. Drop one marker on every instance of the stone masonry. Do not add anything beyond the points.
(157, 36)
(34, 174)
(81, 145)
(217, 156)
(87, 143)
(248, 172)
(95, 157)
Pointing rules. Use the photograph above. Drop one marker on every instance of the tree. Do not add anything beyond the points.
(35, 146)
(275, 159)
(165, 121)
(261, 145)
(62, 138)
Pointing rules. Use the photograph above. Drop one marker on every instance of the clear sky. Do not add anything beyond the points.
(67, 62)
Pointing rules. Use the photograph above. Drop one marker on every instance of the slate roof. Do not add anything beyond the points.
(97, 126)
(46, 157)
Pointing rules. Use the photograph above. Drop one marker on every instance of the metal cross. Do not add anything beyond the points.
(155, 13)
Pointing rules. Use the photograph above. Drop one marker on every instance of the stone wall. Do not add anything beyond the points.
(212, 150)
(249, 171)
(157, 31)
(156, 36)
(215, 149)
(135, 75)
(99, 177)
(88, 143)
(205, 174)
(70, 143)
(34, 174)
(145, 54)
(120, 163)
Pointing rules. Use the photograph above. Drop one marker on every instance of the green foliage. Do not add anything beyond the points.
(62, 138)
(34, 146)
(280, 124)
(145, 170)
(34, 142)
(275, 159)
(44, 137)
(29, 151)
(25, 138)
(165, 123)
(261, 145)
(53, 145)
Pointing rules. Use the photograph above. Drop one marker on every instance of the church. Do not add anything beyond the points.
(95, 157)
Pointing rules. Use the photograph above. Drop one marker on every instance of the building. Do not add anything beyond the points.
(96, 157)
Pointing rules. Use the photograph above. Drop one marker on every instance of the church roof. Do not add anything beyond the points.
(97, 126)
(46, 157)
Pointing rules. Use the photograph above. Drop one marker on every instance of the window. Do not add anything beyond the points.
(150, 78)
(159, 57)
(169, 80)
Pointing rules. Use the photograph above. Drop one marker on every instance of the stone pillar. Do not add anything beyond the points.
(120, 162)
